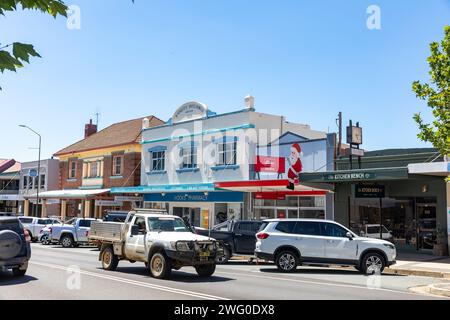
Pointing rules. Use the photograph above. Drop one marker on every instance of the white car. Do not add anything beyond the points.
(35, 225)
(373, 231)
(292, 242)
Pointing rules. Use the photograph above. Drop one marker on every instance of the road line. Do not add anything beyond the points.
(134, 282)
(319, 283)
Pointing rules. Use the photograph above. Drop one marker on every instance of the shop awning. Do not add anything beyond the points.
(273, 186)
(167, 188)
(440, 169)
(69, 194)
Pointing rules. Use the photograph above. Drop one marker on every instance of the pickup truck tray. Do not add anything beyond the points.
(106, 231)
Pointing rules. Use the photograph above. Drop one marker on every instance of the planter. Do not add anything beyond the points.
(440, 249)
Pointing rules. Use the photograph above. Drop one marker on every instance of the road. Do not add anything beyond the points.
(58, 273)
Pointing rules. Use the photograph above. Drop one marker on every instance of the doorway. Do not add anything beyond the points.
(192, 215)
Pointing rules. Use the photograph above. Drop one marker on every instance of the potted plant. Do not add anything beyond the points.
(441, 246)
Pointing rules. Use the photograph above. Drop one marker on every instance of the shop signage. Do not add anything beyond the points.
(108, 203)
(127, 199)
(350, 176)
(270, 195)
(219, 196)
(270, 164)
(369, 191)
(10, 197)
(190, 111)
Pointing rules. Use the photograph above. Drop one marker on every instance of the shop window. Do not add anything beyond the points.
(117, 165)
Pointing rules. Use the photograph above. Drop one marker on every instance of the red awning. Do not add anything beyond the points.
(271, 186)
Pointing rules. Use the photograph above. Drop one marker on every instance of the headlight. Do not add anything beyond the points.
(390, 246)
(183, 246)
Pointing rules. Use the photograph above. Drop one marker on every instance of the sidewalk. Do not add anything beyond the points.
(421, 265)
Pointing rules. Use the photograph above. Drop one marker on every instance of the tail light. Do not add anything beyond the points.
(27, 235)
(262, 235)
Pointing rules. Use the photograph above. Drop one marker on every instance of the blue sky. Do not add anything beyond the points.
(307, 60)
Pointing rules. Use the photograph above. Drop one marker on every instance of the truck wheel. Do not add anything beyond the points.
(45, 240)
(66, 241)
(226, 256)
(160, 266)
(18, 273)
(205, 270)
(109, 259)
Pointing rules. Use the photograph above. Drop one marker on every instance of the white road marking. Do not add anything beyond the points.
(136, 283)
(317, 283)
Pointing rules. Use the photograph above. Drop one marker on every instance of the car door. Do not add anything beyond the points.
(40, 224)
(245, 240)
(135, 245)
(308, 239)
(82, 231)
(337, 245)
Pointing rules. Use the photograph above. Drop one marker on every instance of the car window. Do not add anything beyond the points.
(11, 225)
(85, 223)
(140, 222)
(373, 229)
(222, 226)
(307, 228)
(42, 221)
(263, 226)
(285, 226)
(248, 227)
(26, 220)
(167, 225)
(333, 230)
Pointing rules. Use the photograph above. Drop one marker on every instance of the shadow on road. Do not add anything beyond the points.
(303, 270)
(177, 276)
(7, 279)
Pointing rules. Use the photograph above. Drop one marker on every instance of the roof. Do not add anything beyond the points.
(16, 167)
(117, 134)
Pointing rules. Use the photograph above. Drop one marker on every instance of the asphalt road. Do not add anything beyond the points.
(58, 273)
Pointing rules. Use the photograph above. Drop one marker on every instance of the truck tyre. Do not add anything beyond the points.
(45, 240)
(18, 273)
(109, 259)
(205, 270)
(372, 263)
(10, 244)
(286, 261)
(226, 256)
(160, 266)
(67, 241)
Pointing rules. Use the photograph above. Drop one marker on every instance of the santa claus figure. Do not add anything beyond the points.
(295, 165)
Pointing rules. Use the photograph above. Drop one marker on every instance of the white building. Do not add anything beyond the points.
(206, 166)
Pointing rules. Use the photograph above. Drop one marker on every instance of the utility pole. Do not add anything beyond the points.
(96, 121)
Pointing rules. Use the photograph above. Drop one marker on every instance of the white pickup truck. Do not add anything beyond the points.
(163, 242)
(72, 233)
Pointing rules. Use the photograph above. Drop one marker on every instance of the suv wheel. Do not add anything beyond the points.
(109, 259)
(18, 273)
(205, 270)
(67, 241)
(160, 267)
(45, 240)
(372, 263)
(286, 261)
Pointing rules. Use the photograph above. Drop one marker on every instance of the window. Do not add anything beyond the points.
(167, 224)
(188, 156)
(25, 182)
(26, 220)
(85, 223)
(307, 228)
(42, 221)
(72, 169)
(94, 170)
(158, 161)
(117, 165)
(251, 227)
(35, 182)
(285, 226)
(42, 181)
(140, 222)
(333, 230)
(227, 153)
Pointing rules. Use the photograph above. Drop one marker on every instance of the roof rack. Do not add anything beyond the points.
(150, 210)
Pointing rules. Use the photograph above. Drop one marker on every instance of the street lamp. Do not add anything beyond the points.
(38, 170)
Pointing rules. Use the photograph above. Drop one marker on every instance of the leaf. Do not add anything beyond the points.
(8, 62)
(24, 51)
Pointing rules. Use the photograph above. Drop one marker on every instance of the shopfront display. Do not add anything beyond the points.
(290, 207)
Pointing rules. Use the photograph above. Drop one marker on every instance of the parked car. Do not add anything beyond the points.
(292, 242)
(373, 231)
(72, 233)
(238, 236)
(35, 225)
(163, 242)
(15, 250)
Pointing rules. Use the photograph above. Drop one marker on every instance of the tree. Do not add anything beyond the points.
(14, 55)
(437, 95)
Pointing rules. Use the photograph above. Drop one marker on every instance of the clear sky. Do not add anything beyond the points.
(306, 60)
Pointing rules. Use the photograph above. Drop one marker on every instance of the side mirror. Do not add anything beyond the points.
(134, 230)
(349, 235)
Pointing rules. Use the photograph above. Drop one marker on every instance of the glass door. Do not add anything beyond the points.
(426, 226)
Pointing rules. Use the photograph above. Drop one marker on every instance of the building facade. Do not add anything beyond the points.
(9, 186)
(204, 166)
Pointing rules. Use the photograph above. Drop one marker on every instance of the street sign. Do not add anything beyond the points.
(127, 199)
(108, 203)
(32, 173)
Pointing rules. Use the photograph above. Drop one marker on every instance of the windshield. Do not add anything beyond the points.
(167, 225)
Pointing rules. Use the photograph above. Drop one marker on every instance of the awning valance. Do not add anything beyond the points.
(268, 186)
(69, 194)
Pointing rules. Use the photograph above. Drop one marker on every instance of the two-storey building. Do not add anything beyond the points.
(9, 185)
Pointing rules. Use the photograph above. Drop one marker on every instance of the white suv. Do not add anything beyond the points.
(291, 242)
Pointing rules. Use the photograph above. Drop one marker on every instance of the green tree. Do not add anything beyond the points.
(14, 55)
(437, 95)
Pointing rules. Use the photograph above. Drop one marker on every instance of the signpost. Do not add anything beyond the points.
(354, 139)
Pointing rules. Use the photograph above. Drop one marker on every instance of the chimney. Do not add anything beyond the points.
(89, 129)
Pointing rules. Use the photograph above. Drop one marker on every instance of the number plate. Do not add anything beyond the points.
(204, 254)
